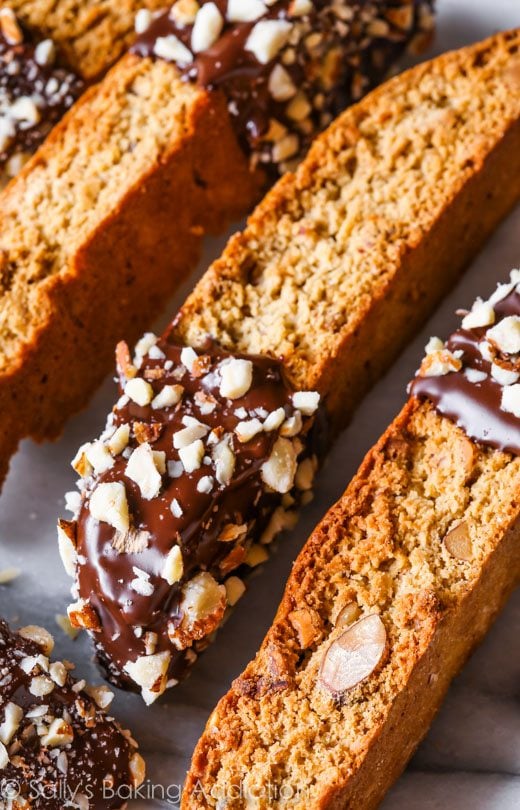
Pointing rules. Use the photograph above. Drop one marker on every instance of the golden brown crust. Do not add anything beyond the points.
(381, 546)
(91, 35)
(99, 229)
(342, 261)
(277, 733)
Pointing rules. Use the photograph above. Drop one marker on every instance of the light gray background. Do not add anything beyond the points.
(471, 757)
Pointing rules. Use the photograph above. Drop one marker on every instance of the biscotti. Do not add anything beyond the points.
(99, 228)
(390, 594)
(58, 747)
(90, 35)
(107, 218)
(211, 447)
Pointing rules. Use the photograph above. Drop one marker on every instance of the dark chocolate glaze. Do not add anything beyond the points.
(104, 574)
(475, 407)
(99, 750)
(52, 87)
(349, 60)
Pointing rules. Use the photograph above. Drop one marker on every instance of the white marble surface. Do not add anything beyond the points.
(471, 757)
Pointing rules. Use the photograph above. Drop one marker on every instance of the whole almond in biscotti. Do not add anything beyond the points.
(353, 656)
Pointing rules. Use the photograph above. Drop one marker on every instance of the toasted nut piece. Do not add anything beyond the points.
(67, 545)
(137, 770)
(168, 396)
(173, 567)
(9, 27)
(347, 615)
(108, 504)
(437, 364)
(119, 440)
(465, 456)
(236, 377)
(354, 655)
(59, 734)
(458, 542)
(40, 636)
(58, 673)
(124, 361)
(224, 459)
(83, 615)
(306, 401)
(184, 12)
(142, 469)
(146, 432)
(101, 695)
(279, 470)
(232, 531)
(203, 604)
(235, 558)
(306, 623)
(139, 391)
(131, 542)
(13, 715)
(149, 672)
(235, 589)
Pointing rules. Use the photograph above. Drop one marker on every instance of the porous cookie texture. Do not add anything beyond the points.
(204, 458)
(91, 35)
(99, 228)
(342, 260)
(389, 596)
(58, 747)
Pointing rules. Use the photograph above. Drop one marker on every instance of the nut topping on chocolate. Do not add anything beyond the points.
(54, 734)
(182, 489)
(286, 67)
(474, 379)
(35, 92)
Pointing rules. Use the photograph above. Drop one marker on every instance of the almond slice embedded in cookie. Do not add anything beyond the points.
(458, 542)
(354, 655)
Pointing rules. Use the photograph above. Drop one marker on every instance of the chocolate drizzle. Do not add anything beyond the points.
(476, 407)
(213, 522)
(49, 772)
(334, 52)
(35, 92)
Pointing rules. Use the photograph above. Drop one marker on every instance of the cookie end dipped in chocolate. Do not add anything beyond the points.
(58, 748)
(474, 379)
(287, 67)
(205, 457)
(35, 92)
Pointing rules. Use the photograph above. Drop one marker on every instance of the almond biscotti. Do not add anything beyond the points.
(212, 443)
(107, 218)
(390, 594)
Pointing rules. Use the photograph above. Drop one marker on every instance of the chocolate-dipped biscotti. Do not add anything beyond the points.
(211, 445)
(58, 747)
(106, 219)
(390, 594)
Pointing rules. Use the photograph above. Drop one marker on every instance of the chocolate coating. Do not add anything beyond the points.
(49, 774)
(475, 406)
(335, 53)
(49, 88)
(106, 571)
